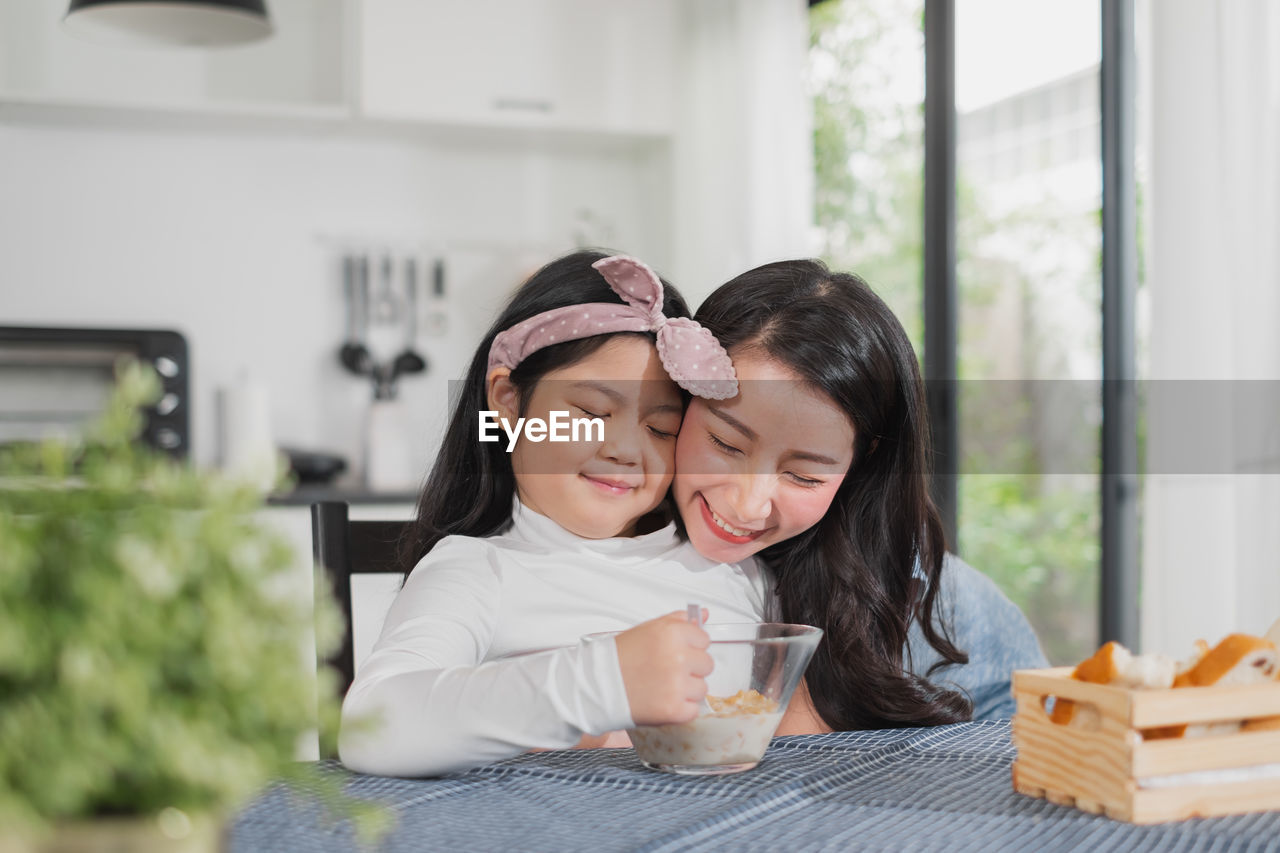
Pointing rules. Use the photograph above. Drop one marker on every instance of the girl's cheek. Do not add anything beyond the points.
(663, 456)
(669, 461)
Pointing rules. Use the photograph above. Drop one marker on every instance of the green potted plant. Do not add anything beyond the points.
(152, 671)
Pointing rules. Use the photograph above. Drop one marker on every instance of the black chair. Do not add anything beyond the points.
(343, 548)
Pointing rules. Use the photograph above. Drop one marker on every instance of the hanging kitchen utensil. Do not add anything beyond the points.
(437, 319)
(362, 301)
(408, 360)
(385, 304)
(353, 354)
(385, 337)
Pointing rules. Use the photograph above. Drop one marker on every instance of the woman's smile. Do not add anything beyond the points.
(724, 529)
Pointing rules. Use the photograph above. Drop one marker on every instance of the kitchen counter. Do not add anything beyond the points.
(307, 494)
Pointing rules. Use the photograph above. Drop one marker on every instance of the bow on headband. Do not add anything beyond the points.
(692, 356)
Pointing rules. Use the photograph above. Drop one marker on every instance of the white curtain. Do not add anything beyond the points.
(1211, 546)
(743, 152)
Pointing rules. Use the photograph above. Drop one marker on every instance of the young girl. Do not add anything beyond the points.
(532, 549)
(820, 465)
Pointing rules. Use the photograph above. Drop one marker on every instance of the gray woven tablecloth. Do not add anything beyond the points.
(946, 788)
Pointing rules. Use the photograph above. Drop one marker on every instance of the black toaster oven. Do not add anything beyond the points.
(53, 380)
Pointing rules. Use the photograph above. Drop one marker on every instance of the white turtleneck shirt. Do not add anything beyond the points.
(484, 653)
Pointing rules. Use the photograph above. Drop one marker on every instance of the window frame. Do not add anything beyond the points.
(1119, 568)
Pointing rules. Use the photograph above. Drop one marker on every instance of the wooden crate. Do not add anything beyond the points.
(1098, 769)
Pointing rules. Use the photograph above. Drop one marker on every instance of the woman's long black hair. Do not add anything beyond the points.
(470, 489)
(853, 573)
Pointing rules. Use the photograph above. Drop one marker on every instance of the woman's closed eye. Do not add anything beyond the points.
(723, 447)
(591, 414)
(662, 434)
(729, 450)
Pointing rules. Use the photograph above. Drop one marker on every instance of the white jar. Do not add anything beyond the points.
(248, 451)
(388, 461)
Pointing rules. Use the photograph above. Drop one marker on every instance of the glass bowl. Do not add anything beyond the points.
(757, 668)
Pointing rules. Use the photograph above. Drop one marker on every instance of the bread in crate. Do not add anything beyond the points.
(1127, 744)
(1239, 659)
(1113, 664)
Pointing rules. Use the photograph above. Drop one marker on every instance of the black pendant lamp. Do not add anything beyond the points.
(199, 23)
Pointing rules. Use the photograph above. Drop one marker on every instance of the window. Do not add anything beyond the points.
(867, 72)
(1028, 265)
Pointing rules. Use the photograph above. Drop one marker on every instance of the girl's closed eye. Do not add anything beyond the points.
(805, 482)
(663, 433)
(591, 414)
(663, 422)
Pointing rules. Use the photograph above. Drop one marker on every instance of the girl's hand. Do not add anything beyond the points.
(609, 740)
(664, 666)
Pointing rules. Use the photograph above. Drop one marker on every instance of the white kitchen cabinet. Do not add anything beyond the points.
(576, 66)
(591, 65)
(302, 69)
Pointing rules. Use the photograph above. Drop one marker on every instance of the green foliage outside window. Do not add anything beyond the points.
(1034, 533)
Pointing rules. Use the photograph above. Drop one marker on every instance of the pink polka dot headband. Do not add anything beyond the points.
(692, 356)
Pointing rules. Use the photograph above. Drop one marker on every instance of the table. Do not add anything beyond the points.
(945, 788)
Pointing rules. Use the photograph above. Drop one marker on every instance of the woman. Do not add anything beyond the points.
(819, 467)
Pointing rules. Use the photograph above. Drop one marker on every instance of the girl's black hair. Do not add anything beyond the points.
(471, 486)
(853, 573)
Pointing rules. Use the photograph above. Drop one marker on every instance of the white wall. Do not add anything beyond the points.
(1211, 549)
(230, 232)
(229, 236)
(743, 148)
